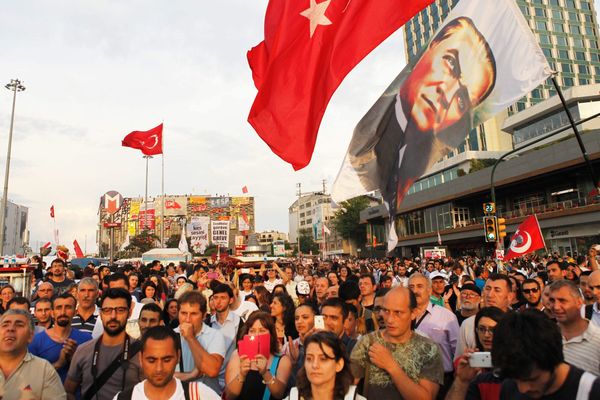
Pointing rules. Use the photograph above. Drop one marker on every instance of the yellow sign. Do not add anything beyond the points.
(195, 200)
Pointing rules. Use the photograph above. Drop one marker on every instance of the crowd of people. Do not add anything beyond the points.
(396, 328)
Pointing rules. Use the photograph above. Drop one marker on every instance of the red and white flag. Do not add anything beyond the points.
(526, 239)
(245, 189)
(78, 252)
(309, 48)
(52, 212)
(149, 142)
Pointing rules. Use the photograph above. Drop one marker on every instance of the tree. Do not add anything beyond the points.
(173, 242)
(479, 164)
(307, 242)
(142, 243)
(346, 220)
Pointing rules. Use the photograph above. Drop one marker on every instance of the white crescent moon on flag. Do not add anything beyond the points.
(521, 249)
(155, 137)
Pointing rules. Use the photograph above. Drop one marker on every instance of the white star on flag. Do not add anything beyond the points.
(316, 15)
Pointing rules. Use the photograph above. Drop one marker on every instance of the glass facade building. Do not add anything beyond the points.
(568, 35)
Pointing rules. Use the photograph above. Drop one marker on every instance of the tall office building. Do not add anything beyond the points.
(568, 35)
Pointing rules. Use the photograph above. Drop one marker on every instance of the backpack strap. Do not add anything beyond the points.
(585, 386)
(589, 311)
(273, 371)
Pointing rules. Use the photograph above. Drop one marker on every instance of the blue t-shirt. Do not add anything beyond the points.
(480, 283)
(46, 348)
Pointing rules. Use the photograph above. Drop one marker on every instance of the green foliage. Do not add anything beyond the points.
(479, 164)
(347, 220)
(307, 242)
(173, 242)
(142, 243)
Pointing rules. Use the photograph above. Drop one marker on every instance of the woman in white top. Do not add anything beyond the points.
(326, 372)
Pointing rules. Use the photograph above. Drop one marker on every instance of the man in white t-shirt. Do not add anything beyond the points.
(159, 357)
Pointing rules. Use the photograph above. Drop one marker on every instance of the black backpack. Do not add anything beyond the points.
(127, 394)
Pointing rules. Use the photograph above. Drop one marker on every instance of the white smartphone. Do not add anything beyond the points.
(245, 270)
(319, 322)
(481, 359)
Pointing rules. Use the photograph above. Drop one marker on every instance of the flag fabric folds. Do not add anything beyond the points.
(527, 239)
(149, 142)
(480, 61)
(308, 50)
(78, 252)
(245, 189)
(183, 244)
(52, 212)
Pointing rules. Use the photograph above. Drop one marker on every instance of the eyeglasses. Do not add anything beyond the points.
(109, 310)
(377, 309)
(469, 295)
(484, 330)
(532, 290)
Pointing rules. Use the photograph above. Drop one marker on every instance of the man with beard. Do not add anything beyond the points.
(112, 355)
(57, 344)
(43, 315)
(470, 297)
(532, 291)
(159, 355)
(59, 279)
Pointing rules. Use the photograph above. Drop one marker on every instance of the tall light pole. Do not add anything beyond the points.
(16, 86)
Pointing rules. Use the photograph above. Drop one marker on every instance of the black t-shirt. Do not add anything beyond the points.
(568, 391)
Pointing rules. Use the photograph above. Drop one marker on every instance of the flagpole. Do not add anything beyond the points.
(162, 222)
(146, 195)
(595, 181)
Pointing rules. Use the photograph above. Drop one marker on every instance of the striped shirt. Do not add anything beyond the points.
(85, 325)
(584, 351)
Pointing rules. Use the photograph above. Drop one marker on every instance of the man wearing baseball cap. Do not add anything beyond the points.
(439, 280)
(470, 297)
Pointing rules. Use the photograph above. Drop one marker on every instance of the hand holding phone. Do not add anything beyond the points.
(319, 322)
(481, 359)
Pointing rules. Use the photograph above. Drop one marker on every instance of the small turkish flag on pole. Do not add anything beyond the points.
(149, 142)
(245, 189)
(52, 212)
(526, 239)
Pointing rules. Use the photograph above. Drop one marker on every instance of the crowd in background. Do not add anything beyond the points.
(394, 328)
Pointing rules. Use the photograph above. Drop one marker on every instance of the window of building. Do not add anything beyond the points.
(578, 43)
(566, 67)
(593, 44)
(571, 4)
(302, 215)
(564, 54)
(547, 53)
(580, 55)
(568, 82)
(557, 15)
(555, 3)
(585, 5)
(557, 27)
(597, 70)
(524, 9)
(544, 39)
(588, 18)
(472, 139)
(541, 26)
(583, 69)
(584, 81)
(540, 12)
(573, 16)
(589, 30)
(309, 221)
(575, 29)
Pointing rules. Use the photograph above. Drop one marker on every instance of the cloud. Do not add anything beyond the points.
(95, 71)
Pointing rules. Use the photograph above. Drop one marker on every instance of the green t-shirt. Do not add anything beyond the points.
(419, 358)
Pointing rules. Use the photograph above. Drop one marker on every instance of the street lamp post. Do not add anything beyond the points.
(16, 86)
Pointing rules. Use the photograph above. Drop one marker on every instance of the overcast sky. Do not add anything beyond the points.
(96, 70)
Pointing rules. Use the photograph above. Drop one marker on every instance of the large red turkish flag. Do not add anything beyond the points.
(309, 47)
(526, 239)
(149, 142)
